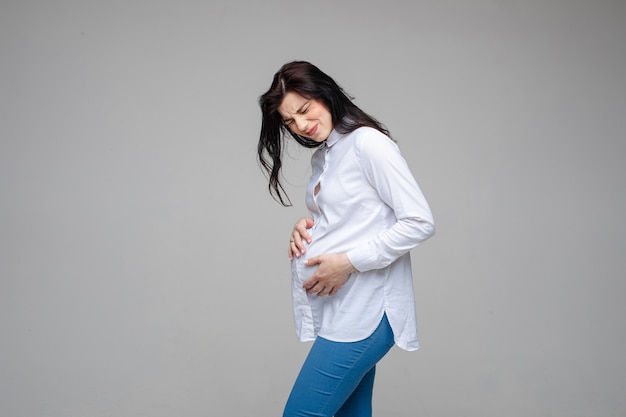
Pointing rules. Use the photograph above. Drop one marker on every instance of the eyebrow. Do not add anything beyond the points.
(298, 111)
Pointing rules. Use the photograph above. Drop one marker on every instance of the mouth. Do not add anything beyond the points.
(312, 131)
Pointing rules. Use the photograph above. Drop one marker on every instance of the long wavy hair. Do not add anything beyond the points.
(311, 83)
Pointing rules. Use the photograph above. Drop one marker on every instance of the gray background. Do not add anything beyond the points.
(143, 267)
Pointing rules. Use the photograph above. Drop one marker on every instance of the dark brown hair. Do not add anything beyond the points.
(310, 82)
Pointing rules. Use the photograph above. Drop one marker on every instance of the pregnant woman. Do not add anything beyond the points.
(351, 270)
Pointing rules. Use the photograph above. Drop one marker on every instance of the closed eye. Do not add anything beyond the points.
(301, 110)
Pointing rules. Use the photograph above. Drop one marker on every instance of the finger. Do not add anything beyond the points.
(310, 286)
(317, 290)
(325, 291)
(299, 247)
(308, 222)
(313, 261)
(314, 286)
(293, 250)
(302, 227)
(304, 235)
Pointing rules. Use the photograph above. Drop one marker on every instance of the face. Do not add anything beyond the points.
(306, 117)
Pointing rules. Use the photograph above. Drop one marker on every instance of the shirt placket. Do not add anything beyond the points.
(320, 180)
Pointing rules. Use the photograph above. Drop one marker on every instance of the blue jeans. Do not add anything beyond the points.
(337, 379)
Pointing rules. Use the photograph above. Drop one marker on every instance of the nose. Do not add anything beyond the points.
(301, 123)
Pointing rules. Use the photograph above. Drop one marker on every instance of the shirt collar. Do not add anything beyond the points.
(333, 138)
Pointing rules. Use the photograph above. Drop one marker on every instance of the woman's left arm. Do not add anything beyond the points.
(387, 171)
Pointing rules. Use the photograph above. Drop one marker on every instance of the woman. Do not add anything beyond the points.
(351, 270)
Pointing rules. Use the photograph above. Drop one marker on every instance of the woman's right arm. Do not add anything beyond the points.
(299, 234)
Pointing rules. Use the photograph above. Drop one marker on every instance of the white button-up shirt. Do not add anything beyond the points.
(369, 207)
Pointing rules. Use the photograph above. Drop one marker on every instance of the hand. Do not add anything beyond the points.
(333, 271)
(299, 233)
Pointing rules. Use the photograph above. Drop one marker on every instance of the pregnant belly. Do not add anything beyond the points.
(300, 271)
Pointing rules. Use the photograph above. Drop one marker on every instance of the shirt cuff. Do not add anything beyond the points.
(363, 259)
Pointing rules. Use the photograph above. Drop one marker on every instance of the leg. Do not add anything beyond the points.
(333, 371)
(359, 404)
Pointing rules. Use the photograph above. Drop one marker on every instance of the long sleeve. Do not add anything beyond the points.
(386, 171)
